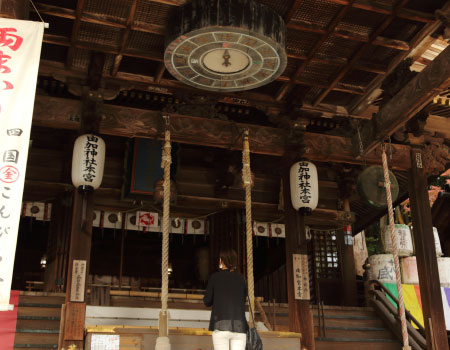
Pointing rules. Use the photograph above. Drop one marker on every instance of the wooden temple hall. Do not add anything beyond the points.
(310, 136)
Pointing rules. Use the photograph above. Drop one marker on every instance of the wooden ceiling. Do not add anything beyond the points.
(338, 49)
(339, 52)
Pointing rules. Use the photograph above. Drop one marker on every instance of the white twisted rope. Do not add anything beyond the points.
(401, 310)
(165, 164)
(246, 177)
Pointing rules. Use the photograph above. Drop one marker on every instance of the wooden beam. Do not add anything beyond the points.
(288, 86)
(353, 91)
(362, 103)
(74, 36)
(388, 10)
(367, 5)
(166, 86)
(132, 122)
(408, 101)
(160, 72)
(125, 35)
(295, 5)
(373, 36)
(430, 289)
(350, 35)
(439, 125)
(94, 18)
(62, 40)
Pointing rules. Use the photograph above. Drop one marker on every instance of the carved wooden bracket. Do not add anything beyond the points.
(435, 158)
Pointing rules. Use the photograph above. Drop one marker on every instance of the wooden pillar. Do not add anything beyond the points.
(80, 250)
(57, 245)
(430, 290)
(347, 260)
(300, 316)
(82, 217)
(122, 247)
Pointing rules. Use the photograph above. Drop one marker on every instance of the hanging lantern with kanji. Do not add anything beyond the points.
(88, 161)
(304, 187)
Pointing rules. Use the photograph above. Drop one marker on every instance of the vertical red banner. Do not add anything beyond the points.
(8, 320)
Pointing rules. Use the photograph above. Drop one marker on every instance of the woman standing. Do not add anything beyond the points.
(226, 293)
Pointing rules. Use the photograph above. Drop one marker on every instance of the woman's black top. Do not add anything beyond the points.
(226, 292)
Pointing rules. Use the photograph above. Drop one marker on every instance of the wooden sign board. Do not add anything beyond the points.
(301, 276)
(78, 281)
(74, 321)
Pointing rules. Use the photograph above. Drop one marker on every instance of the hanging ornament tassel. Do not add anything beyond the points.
(246, 174)
(401, 310)
(162, 342)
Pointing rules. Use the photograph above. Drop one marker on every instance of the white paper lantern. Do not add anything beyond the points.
(88, 161)
(304, 186)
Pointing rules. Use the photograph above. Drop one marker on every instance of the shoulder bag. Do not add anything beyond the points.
(254, 341)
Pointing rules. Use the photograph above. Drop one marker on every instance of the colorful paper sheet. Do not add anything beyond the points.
(445, 292)
(411, 297)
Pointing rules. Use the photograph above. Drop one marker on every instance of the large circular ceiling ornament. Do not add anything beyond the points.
(225, 45)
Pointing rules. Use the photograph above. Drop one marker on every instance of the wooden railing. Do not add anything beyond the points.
(389, 313)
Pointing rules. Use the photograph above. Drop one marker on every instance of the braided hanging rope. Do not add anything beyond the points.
(401, 310)
(246, 177)
(163, 342)
(165, 164)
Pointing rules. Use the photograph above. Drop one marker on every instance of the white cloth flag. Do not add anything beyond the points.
(20, 48)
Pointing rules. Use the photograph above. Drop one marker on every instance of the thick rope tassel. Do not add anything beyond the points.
(401, 310)
(246, 177)
(162, 342)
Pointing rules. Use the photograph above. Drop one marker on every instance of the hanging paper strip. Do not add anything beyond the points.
(20, 48)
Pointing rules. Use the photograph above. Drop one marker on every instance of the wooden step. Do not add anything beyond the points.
(350, 311)
(42, 310)
(38, 322)
(41, 299)
(356, 344)
(36, 346)
(32, 337)
(356, 332)
(350, 321)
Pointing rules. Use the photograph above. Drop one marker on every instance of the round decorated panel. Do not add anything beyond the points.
(225, 57)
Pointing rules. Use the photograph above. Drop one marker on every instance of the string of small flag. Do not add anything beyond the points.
(147, 221)
(39, 210)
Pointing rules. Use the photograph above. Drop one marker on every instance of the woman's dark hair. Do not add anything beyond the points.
(229, 258)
